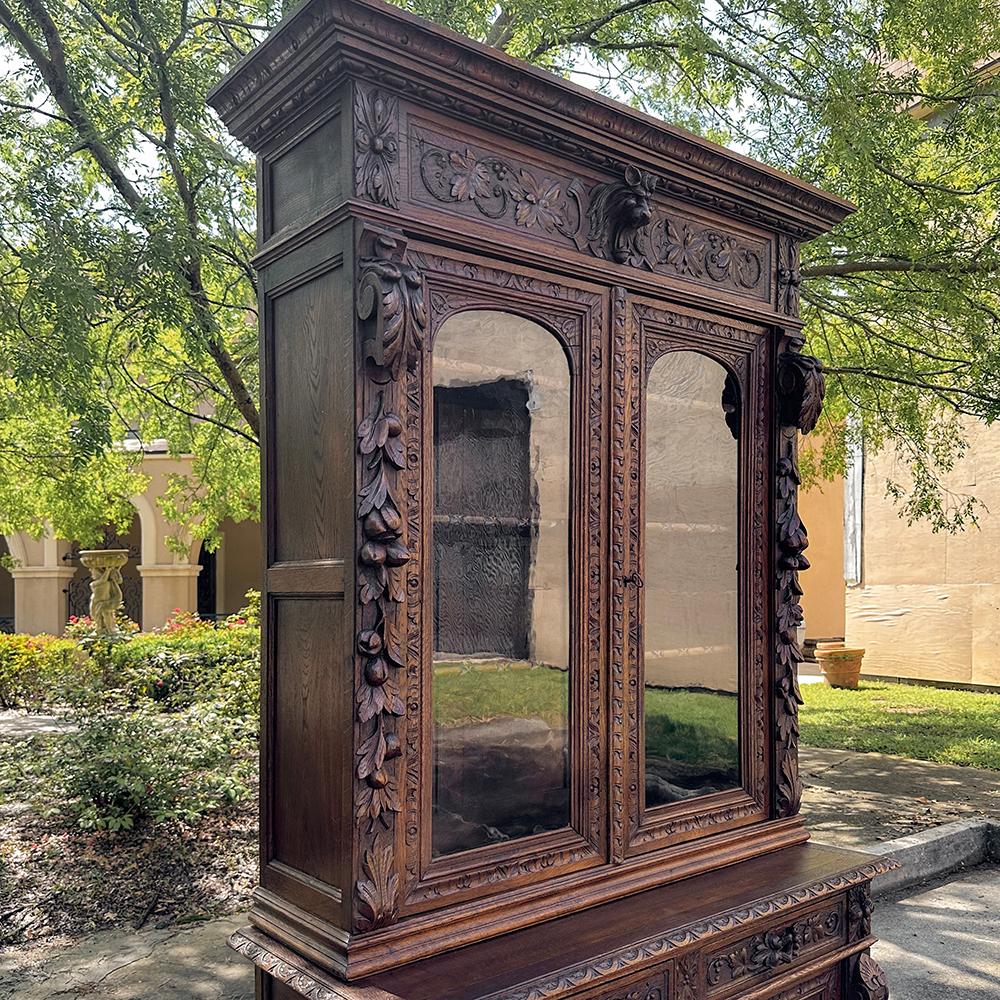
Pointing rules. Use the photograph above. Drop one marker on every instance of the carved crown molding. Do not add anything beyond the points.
(373, 39)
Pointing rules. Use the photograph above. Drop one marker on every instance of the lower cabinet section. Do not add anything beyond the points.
(804, 938)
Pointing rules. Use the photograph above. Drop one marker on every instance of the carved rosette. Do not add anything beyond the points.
(869, 981)
(376, 145)
(390, 306)
(800, 389)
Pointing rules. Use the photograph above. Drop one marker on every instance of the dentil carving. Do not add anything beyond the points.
(391, 297)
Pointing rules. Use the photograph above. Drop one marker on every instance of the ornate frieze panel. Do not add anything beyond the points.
(770, 950)
(620, 221)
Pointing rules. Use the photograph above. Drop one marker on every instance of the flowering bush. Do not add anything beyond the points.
(38, 670)
(191, 660)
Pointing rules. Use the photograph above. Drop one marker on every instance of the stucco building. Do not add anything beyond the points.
(47, 584)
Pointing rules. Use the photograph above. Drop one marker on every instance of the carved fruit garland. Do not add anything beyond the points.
(390, 303)
(800, 389)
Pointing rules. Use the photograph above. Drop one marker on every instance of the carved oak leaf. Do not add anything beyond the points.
(377, 147)
(471, 178)
(377, 891)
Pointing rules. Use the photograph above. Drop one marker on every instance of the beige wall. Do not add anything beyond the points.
(239, 564)
(928, 605)
(821, 508)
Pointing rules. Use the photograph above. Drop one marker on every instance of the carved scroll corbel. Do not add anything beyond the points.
(799, 389)
(390, 299)
(393, 319)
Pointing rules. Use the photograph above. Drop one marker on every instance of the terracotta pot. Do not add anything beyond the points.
(840, 664)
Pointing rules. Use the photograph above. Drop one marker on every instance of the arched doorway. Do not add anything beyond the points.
(78, 590)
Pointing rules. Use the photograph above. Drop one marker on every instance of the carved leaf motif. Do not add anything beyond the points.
(377, 891)
(471, 178)
(391, 296)
(537, 203)
(801, 387)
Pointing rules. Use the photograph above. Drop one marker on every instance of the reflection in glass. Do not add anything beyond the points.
(691, 624)
(500, 598)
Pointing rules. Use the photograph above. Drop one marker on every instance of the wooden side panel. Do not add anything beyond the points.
(311, 449)
(308, 361)
(308, 175)
(307, 762)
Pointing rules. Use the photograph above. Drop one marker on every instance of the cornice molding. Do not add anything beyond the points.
(324, 41)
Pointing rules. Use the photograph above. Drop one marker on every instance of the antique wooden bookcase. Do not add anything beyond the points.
(532, 386)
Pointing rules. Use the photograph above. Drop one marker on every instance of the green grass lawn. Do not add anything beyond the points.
(925, 723)
(696, 727)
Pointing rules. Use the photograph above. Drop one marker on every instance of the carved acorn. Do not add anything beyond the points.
(372, 554)
(378, 779)
(396, 554)
(370, 642)
(393, 749)
(376, 671)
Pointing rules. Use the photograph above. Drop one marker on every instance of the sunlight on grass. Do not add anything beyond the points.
(699, 727)
(925, 723)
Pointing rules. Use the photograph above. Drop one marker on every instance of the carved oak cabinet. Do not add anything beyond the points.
(532, 384)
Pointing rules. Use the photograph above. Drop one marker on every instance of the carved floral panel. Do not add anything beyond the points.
(619, 220)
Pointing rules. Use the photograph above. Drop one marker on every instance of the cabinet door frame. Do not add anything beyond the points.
(653, 329)
(575, 314)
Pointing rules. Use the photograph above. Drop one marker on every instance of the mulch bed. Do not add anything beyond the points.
(62, 883)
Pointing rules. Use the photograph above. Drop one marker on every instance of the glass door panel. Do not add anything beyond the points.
(500, 688)
(691, 628)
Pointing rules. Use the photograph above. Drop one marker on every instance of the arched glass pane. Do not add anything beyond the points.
(691, 592)
(500, 689)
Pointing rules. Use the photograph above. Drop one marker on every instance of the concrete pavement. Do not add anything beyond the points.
(942, 942)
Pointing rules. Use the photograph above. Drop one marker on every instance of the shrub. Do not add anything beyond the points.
(191, 661)
(37, 670)
(123, 767)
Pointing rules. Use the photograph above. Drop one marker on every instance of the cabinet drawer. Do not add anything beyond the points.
(775, 951)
